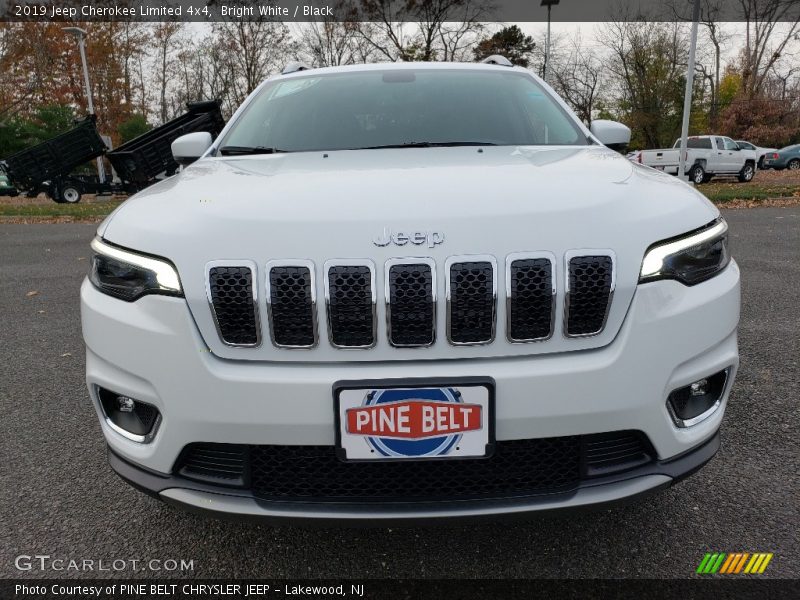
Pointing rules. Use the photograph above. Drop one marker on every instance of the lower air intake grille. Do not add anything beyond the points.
(411, 305)
(616, 451)
(314, 473)
(292, 307)
(530, 301)
(231, 295)
(224, 464)
(590, 287)
(472, 302)
(351, 315)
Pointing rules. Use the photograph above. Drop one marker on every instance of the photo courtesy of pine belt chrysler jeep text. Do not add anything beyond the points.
(409, 291)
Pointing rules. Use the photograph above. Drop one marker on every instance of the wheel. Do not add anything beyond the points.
(707, 178)
(71, 194)
(747, 173)
(697, 174)
(794, 164)
(761, 164)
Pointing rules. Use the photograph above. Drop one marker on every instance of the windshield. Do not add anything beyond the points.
(369, 109)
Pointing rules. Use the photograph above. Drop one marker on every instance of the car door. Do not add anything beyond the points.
(734, 161)
(717, 156)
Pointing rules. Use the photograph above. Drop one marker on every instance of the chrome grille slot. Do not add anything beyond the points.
(232, 296)
(531, 298)
(471, 299)
(411, 302)
(590, 285)
(350, 299)
(291, 297)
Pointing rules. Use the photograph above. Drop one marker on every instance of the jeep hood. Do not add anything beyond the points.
(324, 205)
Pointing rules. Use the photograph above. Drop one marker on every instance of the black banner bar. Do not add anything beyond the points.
(718, 588)
(394, 10)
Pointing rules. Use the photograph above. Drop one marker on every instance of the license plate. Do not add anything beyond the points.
(414, 420)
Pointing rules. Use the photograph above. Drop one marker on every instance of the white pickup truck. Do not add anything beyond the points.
(707, 156)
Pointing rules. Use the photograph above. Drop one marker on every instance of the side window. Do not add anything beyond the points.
(730, 144)
(720, 143)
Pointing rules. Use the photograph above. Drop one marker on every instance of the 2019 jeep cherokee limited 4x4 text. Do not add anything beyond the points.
(409, 291)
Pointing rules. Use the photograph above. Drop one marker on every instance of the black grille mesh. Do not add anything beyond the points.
(292, 306)
(221, 463)
(517, 468)
(615, 451)
(314, 473)
(471, 302)
(411, 305)
(530, 299)
(232, 298)
(147, 414)
(350, 307)
(589, 293)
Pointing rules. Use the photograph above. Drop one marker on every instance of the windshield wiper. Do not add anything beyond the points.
(244, 150)
(427, 145)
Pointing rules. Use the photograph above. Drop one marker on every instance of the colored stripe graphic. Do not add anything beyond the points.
(717, 564)
(726, 566)
(764, 564)
(734, 563)
(740, 563)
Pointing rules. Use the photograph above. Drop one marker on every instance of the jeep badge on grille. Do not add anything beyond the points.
(400, 238)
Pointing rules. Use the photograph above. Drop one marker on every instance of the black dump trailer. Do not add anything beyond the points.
(142, 159)
(47, 166)
(140, 162)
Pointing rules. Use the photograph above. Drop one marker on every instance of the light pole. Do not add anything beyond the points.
(687, 95)
(549, 4)
(80, 35)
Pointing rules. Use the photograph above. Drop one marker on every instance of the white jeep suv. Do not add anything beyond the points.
(409, 291)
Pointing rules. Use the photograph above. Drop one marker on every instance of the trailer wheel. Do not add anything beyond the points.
(71, 194)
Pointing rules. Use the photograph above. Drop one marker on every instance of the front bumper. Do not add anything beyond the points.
(151, 350)
(597, 494)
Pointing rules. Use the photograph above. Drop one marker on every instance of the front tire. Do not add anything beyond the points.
(747, 173)
(697, 174)
(71, 194)
(794, 164)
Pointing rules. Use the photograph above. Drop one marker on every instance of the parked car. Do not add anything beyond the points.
(759, 150)
(6, 187)
(382, 294)
(707, 156)
(785, 158)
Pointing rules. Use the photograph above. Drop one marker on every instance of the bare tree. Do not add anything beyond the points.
(164, 35)
(576, 73)
(647, 63)
(770, 26)
(332, 42)
(424, 30)
(256, 48)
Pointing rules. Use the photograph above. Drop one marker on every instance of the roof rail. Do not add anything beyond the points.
(496, 59)
(293, 67)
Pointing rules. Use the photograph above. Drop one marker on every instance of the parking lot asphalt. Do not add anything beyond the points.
(59, 497)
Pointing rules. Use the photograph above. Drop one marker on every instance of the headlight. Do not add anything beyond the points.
(129, 276)
(689, 259)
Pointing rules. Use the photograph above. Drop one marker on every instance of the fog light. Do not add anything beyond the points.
(126, 404)
(129, 417)
(697, 401)
(698, 388)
